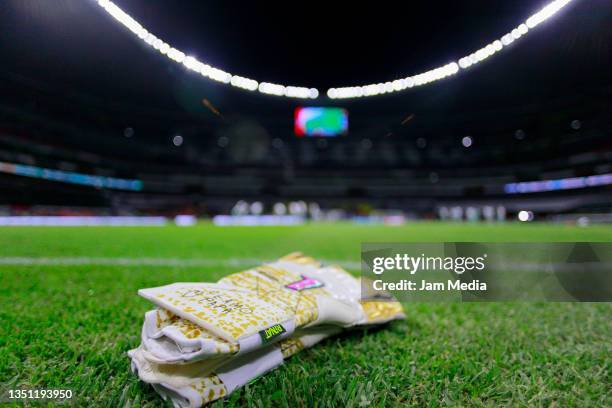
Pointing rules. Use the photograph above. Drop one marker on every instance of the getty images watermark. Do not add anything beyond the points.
(469, 271)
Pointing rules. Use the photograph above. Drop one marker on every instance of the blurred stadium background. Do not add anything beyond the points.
(101, 126)
(95, 122)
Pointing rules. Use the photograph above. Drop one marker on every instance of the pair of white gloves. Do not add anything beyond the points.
(204, 340)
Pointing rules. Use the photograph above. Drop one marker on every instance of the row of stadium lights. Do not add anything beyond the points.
(488, 213)
(268, 88)
(466, 141)
(177, 140)
(279, 208)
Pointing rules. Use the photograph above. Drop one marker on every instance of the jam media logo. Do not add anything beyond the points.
(304, 284)
(271, 332)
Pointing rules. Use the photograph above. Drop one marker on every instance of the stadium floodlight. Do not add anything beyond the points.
(177, 140)
(279, 209)
(288, 91)
(200, 67)
(240, 208)
(256, 208)
(452, 68)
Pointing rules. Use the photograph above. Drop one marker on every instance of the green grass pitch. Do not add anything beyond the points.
(66, 325)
